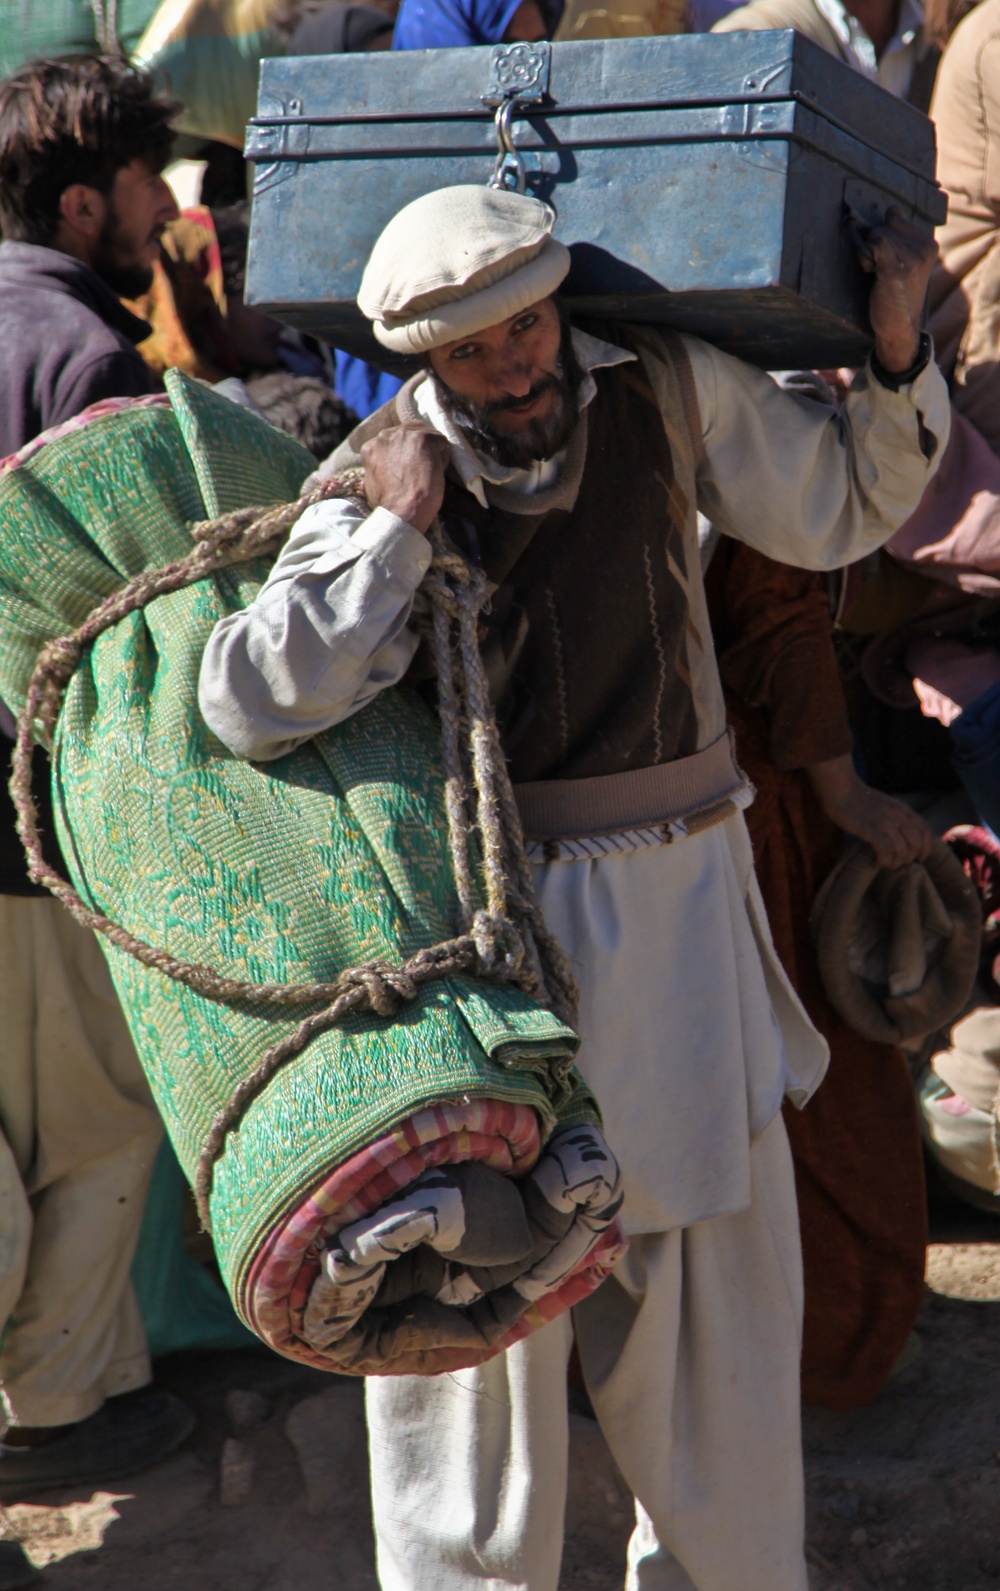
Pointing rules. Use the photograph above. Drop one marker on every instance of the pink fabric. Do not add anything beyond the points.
(954, 534)
(96, 411)
(502, 1136)
(953, 1105)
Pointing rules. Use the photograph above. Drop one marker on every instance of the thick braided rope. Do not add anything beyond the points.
(510, 891)
(491, 942)
(106, 26)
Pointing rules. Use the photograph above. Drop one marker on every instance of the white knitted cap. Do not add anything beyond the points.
(457, 260)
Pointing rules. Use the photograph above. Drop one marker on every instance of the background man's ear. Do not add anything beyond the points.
(82, 209)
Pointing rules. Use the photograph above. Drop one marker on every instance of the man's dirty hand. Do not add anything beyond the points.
(902, 258)
(894, 831)
(404, 472)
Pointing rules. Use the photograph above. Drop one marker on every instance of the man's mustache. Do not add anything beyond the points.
(503, 405)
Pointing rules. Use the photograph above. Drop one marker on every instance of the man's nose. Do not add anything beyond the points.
(514, 377)
(166, 207)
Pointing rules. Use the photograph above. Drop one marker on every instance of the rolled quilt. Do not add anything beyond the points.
(408, 1192)
(457, 1261)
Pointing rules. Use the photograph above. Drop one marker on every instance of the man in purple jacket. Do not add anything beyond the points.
(83, 143)
(82, 208)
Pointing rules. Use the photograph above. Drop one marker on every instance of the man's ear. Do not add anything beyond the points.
(82, 211)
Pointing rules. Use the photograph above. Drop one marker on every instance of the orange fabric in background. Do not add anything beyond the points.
(856, 1146)
(186, 304)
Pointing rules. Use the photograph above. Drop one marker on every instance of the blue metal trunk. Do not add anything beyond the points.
(704, 181)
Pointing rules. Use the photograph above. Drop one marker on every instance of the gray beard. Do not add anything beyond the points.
(539, 439)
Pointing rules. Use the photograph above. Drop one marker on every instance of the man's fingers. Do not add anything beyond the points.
(894, 853)
(902, 837)
(397, 437)
(917, 835)
(405, 473)
(425, 434)
(899, 246)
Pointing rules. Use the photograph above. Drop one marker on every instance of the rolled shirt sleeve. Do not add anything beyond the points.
(803, 482)
(326, 633)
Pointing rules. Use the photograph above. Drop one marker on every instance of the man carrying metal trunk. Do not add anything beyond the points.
(570, 463)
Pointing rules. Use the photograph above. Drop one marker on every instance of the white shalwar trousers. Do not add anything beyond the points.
(690, 1352)
(78, 1137)
(691, 1035)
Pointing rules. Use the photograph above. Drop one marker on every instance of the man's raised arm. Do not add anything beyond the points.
(812, 486)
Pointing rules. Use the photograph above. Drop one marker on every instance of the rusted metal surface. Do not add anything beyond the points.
(710, 182)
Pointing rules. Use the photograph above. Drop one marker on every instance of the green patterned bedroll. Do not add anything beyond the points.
(332, 857)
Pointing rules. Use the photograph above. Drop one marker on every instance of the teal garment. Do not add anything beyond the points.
(182, 1306)
(30, 29)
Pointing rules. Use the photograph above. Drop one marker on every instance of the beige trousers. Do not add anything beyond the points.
(691, 1356)
(78, 1136)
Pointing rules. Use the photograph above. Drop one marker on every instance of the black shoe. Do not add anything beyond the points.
(15, 1570)
(127, 1434)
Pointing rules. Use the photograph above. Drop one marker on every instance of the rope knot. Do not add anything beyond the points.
(450, 574)
(385, 987)
(498, 944)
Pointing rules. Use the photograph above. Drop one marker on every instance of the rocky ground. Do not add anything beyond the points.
(269, 1494)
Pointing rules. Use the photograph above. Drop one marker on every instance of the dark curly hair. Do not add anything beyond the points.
(77, 119)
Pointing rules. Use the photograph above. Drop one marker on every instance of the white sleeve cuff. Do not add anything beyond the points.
(395, 542)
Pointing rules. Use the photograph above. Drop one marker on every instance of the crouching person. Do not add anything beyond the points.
(569, 461)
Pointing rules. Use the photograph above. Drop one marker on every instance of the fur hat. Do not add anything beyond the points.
(457, 260)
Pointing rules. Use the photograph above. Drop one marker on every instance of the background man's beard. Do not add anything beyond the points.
(539, 439)
(127, 278)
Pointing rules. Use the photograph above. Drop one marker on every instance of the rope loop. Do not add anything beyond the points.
(499, 945)
(385, 987)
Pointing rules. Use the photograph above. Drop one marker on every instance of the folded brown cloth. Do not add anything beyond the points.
(897, 948)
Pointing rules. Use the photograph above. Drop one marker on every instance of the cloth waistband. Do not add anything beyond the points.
(644, 798)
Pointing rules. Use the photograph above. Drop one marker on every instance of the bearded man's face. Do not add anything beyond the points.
(514, 387)
(137, 210)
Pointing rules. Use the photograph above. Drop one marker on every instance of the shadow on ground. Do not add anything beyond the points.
(270, 1492)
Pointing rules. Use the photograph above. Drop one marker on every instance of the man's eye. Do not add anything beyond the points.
(525, 324)
(465, 352)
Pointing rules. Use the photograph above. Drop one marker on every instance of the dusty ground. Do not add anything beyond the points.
(269, 1494)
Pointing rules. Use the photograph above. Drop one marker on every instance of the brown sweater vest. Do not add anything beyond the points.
(586, 630)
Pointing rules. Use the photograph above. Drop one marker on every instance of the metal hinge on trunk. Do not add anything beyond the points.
(519, 77)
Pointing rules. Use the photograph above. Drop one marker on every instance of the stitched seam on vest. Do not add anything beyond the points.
(560, 662)
(661, 656)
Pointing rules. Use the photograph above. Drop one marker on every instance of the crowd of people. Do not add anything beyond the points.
(835, 611)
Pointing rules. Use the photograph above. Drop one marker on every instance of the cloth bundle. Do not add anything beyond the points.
(897, 948)
(209, 51)
(331, 857)
(462, 1251)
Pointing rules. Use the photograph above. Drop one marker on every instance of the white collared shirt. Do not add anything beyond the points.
(894, 68)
